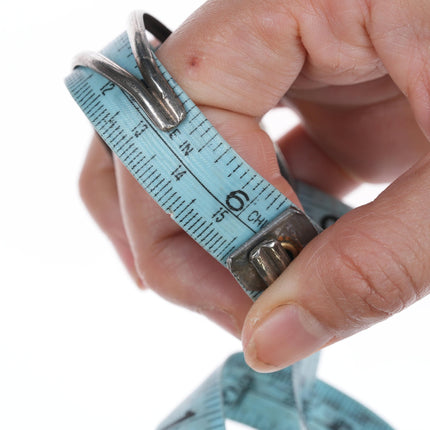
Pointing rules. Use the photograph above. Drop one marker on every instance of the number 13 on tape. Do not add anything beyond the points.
(179, 158)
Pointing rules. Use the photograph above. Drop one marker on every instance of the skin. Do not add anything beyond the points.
(357, 73)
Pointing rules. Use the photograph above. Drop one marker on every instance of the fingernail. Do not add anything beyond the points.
(223, 319)
(286, 335)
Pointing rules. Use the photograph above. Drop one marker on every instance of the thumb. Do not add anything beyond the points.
(369, 265)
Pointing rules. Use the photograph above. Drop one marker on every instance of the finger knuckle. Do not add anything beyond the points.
(150, 271)
(156, 267)
(370, 280)
(84, 185)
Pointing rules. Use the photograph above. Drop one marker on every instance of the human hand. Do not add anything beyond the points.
(356, 71)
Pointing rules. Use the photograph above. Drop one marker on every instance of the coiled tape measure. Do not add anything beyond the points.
(179, 158)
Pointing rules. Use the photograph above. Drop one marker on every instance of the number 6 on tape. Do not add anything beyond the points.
(240, 219)
(175, 153)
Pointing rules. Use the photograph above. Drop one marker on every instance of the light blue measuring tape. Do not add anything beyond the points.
(229, 209)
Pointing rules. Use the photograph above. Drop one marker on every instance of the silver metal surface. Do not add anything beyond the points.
(255, 266)
(269, 259)
(167, 100)
(154, 95)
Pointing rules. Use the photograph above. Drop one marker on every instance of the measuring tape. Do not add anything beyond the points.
(270, 401)
(244, 222)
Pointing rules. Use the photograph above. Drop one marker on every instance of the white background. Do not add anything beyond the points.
(80, 346)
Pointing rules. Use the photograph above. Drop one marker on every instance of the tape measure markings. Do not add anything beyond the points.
(269, 402)
(243, 202)
(201, 185)
(189, 170)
